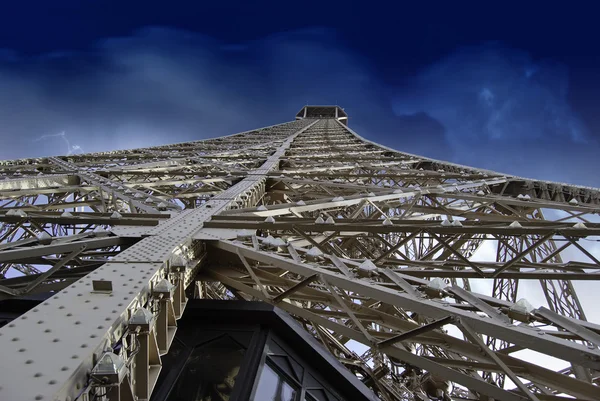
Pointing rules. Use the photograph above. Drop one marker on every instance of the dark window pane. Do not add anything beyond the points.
(289, 366)
(317, 395)
(273, 387)
(210, 372)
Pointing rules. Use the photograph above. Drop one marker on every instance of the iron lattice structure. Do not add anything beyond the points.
(359, 242)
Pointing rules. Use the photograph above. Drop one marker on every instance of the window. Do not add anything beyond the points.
(273, 387)
(210, 371)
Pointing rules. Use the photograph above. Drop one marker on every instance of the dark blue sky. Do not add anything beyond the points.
(505, 86)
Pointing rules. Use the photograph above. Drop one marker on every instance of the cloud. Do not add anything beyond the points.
(162, 85)
(62, 136)
(502, 109)
(490, 106)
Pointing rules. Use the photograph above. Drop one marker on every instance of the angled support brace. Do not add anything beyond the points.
(472, 335)
(456, 253)
(252, 274)
(479, 304)
(412, 333)
(521, 255)
(400, 282)
(53, 269)
(569, 325)
(346, 309)
(295, 288)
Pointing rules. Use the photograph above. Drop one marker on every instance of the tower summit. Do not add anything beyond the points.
(298, 261)
(323, 112)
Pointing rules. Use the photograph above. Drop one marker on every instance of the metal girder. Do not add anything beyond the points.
(358, 241)
(521, 335)
(564, 383)
(148, 204)
(133, 275)
(32, 252)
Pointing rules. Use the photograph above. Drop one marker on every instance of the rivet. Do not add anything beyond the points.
(55, 340)
(47, 331)
(15, 339)
(83, 345)
(69, 314)
(52, 382)
(28, 362)
(78, 322)
(38, 374)
(39, 397)
(64, 368)
(11, 325)
(74, 357)
(40, 322)
(22, 349)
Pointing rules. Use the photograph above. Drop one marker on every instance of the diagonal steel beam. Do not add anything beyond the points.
(521, 335)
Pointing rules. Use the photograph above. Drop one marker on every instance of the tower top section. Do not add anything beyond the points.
(323, 112)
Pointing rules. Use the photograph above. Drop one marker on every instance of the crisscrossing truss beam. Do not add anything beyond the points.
(426, 279)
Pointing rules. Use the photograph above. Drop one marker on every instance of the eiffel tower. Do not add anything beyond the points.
(404, 271)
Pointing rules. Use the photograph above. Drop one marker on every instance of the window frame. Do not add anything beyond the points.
(266, 361)
(302, 386)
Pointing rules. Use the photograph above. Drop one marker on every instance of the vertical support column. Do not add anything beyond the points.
(166, 324)
(146, 364)
(110, 377)
(179, 299)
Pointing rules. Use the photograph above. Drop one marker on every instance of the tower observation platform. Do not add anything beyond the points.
(335, 112)
(294, 262)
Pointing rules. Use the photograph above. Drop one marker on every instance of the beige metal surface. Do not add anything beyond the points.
(361, 243)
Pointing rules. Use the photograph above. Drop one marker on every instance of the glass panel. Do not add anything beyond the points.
(210, 372)
(273, 387)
